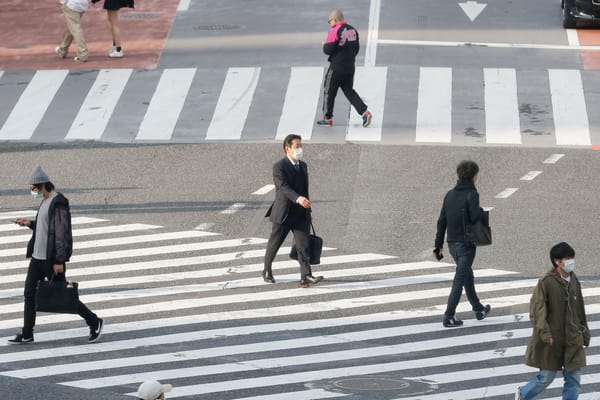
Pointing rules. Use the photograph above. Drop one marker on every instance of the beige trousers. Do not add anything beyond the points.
(74, 31)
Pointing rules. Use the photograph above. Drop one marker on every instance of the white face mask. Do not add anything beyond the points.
(569, 265)
(36, 195)
(298, 153)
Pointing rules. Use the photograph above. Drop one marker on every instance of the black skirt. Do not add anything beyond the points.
(117, 4)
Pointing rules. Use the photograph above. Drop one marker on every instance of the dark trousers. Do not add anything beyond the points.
(334, 81)
(463, 255)
(38, 271)
(300, 227)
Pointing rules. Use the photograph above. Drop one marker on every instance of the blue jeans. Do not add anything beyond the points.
(539, 382)
(463, 255)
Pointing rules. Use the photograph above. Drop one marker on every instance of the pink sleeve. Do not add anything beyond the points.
(332, 35)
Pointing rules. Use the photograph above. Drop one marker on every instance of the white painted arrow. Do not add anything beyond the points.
(472, 9)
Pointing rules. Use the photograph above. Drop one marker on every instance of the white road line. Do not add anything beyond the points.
(553, 159)
(229, 272)
(197, 354)
(370, 83)
(121, 241)
(151, 251)
(81, 232)
(166, 104)
(394, 349)
(309, 394)
(232, 209)
(98, 106)
(506, 193)
(264, 190)
(74, 221)
(373, 33)
(569, 108)
(233, 105)
(17, 214)
(186, 304)
(205, 226)
(32, 105)
(183, 5)
(531, 175)
(442, 43)
(301, 102)
(502, 125)
(572, 37)
(434, 108)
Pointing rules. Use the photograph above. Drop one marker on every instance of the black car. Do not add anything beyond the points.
(575, 11)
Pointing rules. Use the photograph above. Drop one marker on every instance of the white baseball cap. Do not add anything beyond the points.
(150, 390)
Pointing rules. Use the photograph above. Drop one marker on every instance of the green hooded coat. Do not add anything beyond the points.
(552, 315)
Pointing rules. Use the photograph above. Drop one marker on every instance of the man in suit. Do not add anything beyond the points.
(291, 210)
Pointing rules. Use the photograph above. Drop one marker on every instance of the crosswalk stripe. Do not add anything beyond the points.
(82, 232)
(122, 241)
(233, 105)
(360, 335)
(370, 83)
(32, 105)
(185, 304)
(434, 105)
(17, 214)
(166, 104)
(310, 394)
(74, 221)
(569, 108)
(150, 251)
(174, 276)
(98, 106)
(502, 124)
(301, 101)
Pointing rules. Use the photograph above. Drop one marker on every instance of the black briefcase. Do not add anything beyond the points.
(315, 247)
(57, 297)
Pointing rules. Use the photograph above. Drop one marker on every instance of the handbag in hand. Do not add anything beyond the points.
(57, 296)
(315, 247)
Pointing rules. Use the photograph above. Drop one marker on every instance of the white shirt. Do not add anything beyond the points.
(76, 5)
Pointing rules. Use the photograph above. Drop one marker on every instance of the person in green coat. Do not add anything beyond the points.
(560, 329)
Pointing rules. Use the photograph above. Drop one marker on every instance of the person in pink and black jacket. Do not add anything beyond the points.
(341, 46)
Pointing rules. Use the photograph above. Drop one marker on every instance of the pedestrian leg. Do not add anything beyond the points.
(537, 384)
(278, 235)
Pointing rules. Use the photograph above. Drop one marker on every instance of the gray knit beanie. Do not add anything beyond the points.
(38, 176)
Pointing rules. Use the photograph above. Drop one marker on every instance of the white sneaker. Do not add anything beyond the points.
(112, 48)
(59, 52)
(115, 54)
(518, 393)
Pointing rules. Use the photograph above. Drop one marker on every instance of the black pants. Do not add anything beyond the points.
(38, 271)
(300, 227)
(463, 255)
(334, 81)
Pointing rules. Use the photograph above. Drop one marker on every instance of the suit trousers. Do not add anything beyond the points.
(335, 80)
(463, 255)
(73, 31)
(300, 227)
(38, 271)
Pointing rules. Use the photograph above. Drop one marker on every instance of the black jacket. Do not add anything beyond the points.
(464, 196)
(342, 46)
(289, 185)
(60, 236)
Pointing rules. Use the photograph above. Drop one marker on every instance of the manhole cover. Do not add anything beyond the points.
(216, 27)
(371, 384)
(133, 15)
(386, 387)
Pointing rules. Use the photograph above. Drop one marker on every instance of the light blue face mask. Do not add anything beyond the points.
(36, 195)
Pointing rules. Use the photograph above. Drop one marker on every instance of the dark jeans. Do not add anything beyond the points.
(300, 227)
(463, 255)
(38, 271)
(334, 81)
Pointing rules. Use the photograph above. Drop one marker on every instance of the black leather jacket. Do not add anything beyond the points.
(60, 236)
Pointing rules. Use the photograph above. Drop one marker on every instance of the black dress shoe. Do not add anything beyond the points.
(20, 339)
(268, 278)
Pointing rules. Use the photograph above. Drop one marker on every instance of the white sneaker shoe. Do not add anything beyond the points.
(518, 393)
(59, 52)
(115, 54)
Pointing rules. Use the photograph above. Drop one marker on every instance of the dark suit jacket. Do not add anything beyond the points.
(286, 182)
